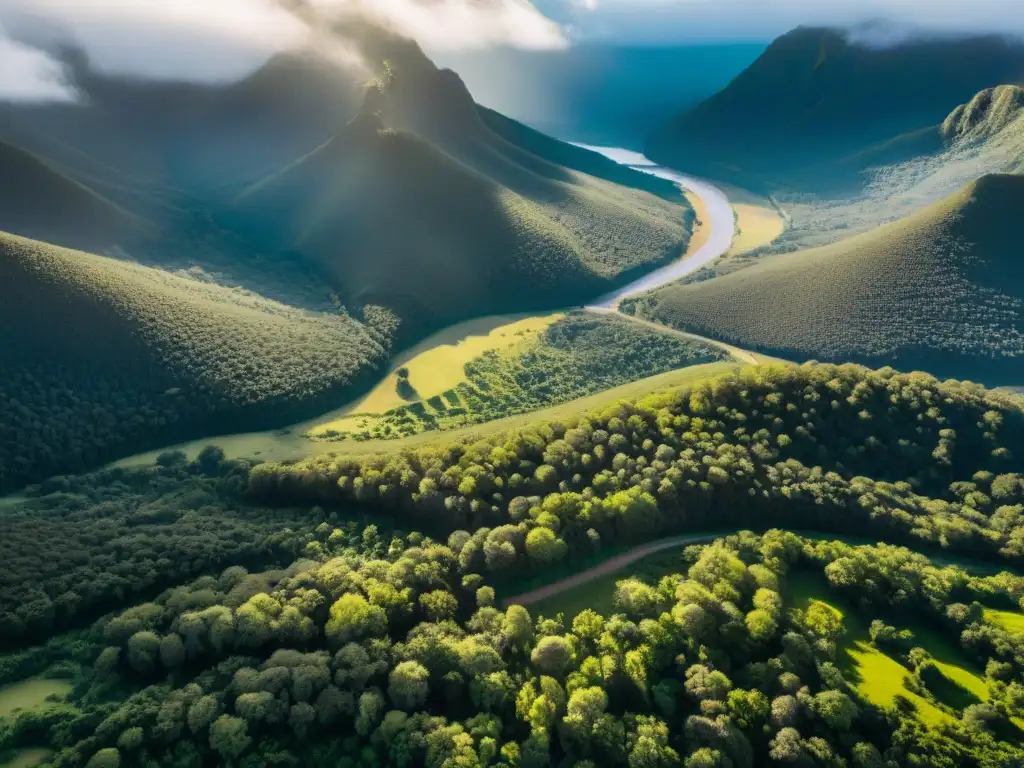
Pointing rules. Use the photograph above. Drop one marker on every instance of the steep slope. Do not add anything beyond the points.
(942, 290)
(135, 139)
(818, 95)
(100, 358)
(37, 200)
(419, 206)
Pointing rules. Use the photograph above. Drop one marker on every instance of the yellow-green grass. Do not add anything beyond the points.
(291, 445)
(437, 364)
(876, 675)
(30, 693)
(27, 758)
(758, 222)
(944, 281)
(701, 225)
(1008, 620)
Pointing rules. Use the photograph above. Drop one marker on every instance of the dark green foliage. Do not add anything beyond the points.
(337, 658)
(102, 358)
(95, 541)
(940, 291)
(817, 96)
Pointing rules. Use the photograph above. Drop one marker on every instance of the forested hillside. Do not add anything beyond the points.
(940, 290)
(101, 358)
(378, 646)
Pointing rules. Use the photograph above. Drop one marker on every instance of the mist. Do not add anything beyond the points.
(224, 40)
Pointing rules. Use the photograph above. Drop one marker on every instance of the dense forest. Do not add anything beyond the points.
(223, 612)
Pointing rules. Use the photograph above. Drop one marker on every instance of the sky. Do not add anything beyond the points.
(223, 40)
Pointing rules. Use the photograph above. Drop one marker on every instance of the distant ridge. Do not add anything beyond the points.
(815, 97)
(942, 290)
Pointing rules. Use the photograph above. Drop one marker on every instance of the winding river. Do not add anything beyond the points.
(721, 224)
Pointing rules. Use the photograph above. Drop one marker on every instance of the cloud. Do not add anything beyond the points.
(29, 74)
(223, 40)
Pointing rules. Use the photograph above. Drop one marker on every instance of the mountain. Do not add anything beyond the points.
(38, 200)
(135, 138)
(942, 290)
(421, 206)
(818, 95)
(100, 358)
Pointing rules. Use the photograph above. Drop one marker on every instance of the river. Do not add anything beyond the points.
(721, 223)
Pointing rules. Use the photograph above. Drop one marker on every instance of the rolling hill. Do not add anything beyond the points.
(99, 358)
(38, 200)
(818, 96)
(420, 206)
(942, 290)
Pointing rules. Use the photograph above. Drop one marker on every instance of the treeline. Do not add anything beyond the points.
(384, 651)
(82, 546)
(836, 448)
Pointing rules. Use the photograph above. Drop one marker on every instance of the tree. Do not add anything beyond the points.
(836, 709)
(353, 618)
(703, 683)
(439, 604)
(748, 708)
(105, 758)
(552, 654)
(408, 685)
(229, 736)
(544, 547)
(203, 712)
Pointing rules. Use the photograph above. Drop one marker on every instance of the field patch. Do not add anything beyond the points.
(27, 758)
(758, 222)
(1011, 621)
(30, 693)
(875, 674)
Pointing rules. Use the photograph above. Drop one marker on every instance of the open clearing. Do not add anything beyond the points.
(28, 758)
(758, 222)
(877, 675)
(437, 364)
(30, 693)
(1008, 620)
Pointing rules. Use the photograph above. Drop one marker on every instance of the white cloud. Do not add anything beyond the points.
(29, 74)
(223, 40)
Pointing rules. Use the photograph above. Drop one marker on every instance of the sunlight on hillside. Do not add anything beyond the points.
(758, 223)
(30, 693)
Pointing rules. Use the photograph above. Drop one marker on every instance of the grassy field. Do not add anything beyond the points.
(878, 676)
(1009, 620)
(519, 367)
(438, 363)
(758, 223)
(27, 758)
(946, 280)
(30, 693)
